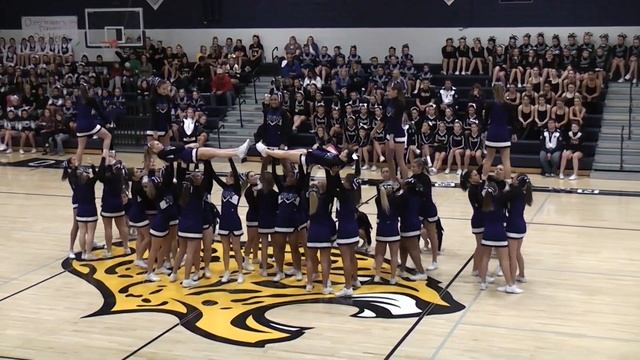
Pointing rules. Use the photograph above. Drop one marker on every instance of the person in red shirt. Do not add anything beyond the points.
(221, 86)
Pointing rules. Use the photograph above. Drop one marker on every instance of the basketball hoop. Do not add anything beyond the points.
(111, 43)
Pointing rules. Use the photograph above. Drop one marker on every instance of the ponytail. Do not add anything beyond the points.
(313, 199)
(488, 194)
(148, 156)
(528, 194)
(524, 183)
(464, 180)
(149, 188)
(185, 193)
(384, 199)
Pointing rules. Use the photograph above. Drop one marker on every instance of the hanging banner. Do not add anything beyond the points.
(51, 26)
(449, 2)
(155, 4)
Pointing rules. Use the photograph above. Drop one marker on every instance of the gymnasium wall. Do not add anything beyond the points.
(373, 25)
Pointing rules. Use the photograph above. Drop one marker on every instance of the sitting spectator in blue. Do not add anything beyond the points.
(196, 101)
(551, 142)
(115, 106)
(290, 68)
(144, 96)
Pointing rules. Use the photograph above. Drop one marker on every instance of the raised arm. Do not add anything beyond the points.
(237, 186)
(207, 177)
(276, 178)
(216, 178)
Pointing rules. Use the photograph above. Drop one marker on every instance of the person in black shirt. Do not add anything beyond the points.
(619, 54)
(634, 54)
(449, 56)
(464, 54)
(477, 56)
(256, 52)
(572, 151)
(202, 74)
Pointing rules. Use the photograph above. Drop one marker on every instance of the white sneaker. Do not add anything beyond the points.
(207, 273)
(432, 171)
(290, 271)
(621, 80)
(163, 270)
(71, 255)
(373, 168)
(344, 293)
(433, 266)
(499, 272)
(261, 148)
(151, 277)
(377, 279)
(573, 177)
(308, 288)
(382, 159)
(3, 147)
(419, 277)
(521, 279)
(393, 281)
(279, 276)
(298, 276)
(475, 273)
(240, 278)
(627, 77)
(106, 255)
(247, 266)
(634, 81)
(21, 151)
(9, 151)
(225, 277)
(33, 150)
(242, 149)
(195, 276)
(263, 273)
(501, 288)
(88, 256)
(417, 151)
(188, 283)
(140, 263)
(447, 171)
(402, 274)
(326, 291)
(173, 277)
(489, 280)
(457, 73)
(127, 251)
(561, 176)
(483, 286)
(459, 172)
(356, 284)
(513, 289)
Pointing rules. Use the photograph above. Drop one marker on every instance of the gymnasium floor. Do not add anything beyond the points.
(581, 302)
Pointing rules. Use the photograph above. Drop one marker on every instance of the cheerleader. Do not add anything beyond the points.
(251, 222)
(275, 127)
(267, 208)
(23, 53)
(471, 182)
(379, 139)
(602, 62)
(348, 195)
(396, 135)
(364, 146)
(138, 219)
(477, 56)
(160, 113)
(549, 64)
(525, 117)
(560, 113)
(83, 182)
(449, 55)
(542, 114)
(531, 60)
(322, 231)
(516, 64)
(473, 146)
(425, 143)
(410, 204)
(191, 153)
(620, 53)
(230, 228)
(286, 223)
(577, 111)
(634, 55)
(440, 145)
(68, 165)
(518, 197)
(535, 81)
(500, 65)
(464, 55)
(591, 90)
(495, 236)
(498, 133)
(471, 118)
(428, 211)
(300, 110)
(572, 151)
(26, 126)
(326, 156)
(387, 233)
(320, 118)
(412, 128)
(86, 126)
(490, 49)
(112, 175)
(456, 148)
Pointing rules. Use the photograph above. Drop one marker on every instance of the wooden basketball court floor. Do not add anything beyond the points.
(582, 300)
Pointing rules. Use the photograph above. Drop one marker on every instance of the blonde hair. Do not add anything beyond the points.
(498, 92)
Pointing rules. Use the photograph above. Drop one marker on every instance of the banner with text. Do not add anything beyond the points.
(51, 26)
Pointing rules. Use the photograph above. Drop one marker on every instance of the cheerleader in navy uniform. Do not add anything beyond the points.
(275, 128)
(396, 135)
(378, 139)
(477, 56)
(326, 156)
(498, 132)
(138, 219)
(464, 55)
(518, 197)
(634, 55)
(619, 55)
(495, 236)
(160, 114)
(425, 139)
(440, 145)
(288, 206)
(300, 110)
(69, 164)
(457, 145)
(83, 182)
(112, 175)
(211, 217)
(268, 209)
(449, 56)
(191, 153)
(351, 133)
(471, 182)
(322, 231)
(516, 64)
(500, 65)
(411, 129)
(490, 50)
(572, 151)
(348, 232)
(428, 210)
(251, 222)
(86, 125)
(230, 228)
(474, 146)
(387, 233)
(410, 228)
(364, 146)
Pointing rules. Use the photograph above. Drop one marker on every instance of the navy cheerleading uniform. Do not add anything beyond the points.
(85, 192)
(275, 127)
(167, 215)
(475, 199)
(498, 132)
(516, 226)
(322, 157)
(322, 227)
(135, 207)
(393, 121)
(410, 204)
(268, 209)
(86, 125)
(423, 188)
(211, 213)
(387, 222)
(494, 234)
(113, 186)
(188, 155)
(192, 211)
(250, 195)
(230, 223)
(303, 208)
(160, 116)
(288, 204)
(348, 232)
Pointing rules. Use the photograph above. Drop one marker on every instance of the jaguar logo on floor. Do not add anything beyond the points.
(238, 313)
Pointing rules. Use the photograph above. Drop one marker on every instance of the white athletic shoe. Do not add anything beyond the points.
(21, 151)
(627, 77)
(393, 281)
(513, 289)
(263, 273)
(9, 151)
(207, 273)
(127, 251)
(326, 291)
(290, 271)
(475, 273)
(240, 278)
(225, 277)
(432, 171)
(459, 172)
(88, 256)
(521, 279)
(483, 286)
(377, 279)
(621, 80)
(308, 288)
(106, 255)
(247, 266)
(573, 177)
(356, 284)
(140, 263)
(502, 288)
(417, 151)
(71, 255)
(173, 277)
(402, 273)
(382, 159)
(373, 168)
(634, 81)
(489, 280)
(242, 149)
(345, 293)
(261, 148)
(163, 270)
(419, 277)
(365, 167)
(298, 276)
(279, 276)
(447, 171)
(151, 277)
(3, 147)
(195, 276)
(33, 150)
(561, 176)
(457, 72)
(433, 266)
(499, 272)
(188, 283)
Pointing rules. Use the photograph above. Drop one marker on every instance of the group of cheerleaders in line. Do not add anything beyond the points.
(169, 202)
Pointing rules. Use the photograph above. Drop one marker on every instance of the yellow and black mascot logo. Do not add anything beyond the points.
(237, 313)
